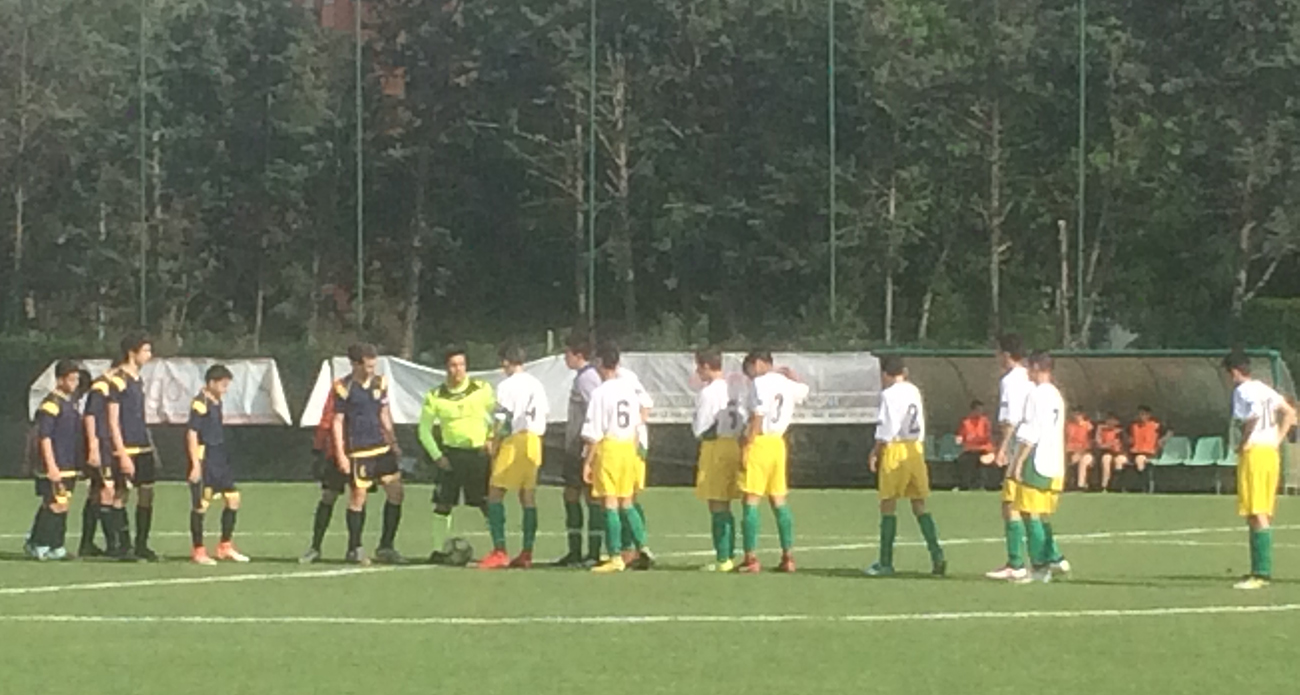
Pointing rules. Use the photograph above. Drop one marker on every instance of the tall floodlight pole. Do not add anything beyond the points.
(144, 182)
(1083, 158)
(591, 169)
(830, 137)
(361, 179)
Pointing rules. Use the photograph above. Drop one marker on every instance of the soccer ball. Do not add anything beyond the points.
(458, 551)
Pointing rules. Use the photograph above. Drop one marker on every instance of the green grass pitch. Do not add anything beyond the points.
(1149, 609)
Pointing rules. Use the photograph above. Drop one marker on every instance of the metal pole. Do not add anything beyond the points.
(830, 112)
(361, 193)
(144, 198)
(1083, 158)
(591, 170)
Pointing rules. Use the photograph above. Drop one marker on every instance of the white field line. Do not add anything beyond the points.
(183, 581)
(659, 619)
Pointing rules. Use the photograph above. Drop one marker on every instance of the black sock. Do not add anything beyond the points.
(392, 518)
(60, 530)
(356, 524)
(227, 524)
(196, 528)
(38, 525)
(112, 535)
(573, 527)
(324, 512)
(123, 528)
(143, 523)
(89, 517)
(41, 530)
(595, 530)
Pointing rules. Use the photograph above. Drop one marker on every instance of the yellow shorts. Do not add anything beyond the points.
(1031, 500)
(616, 470)
(902, 472)
(1257, 476)
(517, 461)
(640, 471)
(764, 473)
(1010, 489)
(718, 476)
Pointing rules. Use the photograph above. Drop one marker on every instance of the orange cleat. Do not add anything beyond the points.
(749, 565)
(226, 551)
(199, 556)
(523, 561)
(787, 564)
(495, 560)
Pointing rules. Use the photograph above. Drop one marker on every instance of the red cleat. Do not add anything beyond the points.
(750, 565)
(495, 560)
(787, 564)
(523, 561)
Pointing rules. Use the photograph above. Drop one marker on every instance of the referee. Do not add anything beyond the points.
(462, 409)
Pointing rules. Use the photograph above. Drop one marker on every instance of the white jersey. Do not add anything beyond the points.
(1044, 428)
(1255, 400)
(522, 405)
(719, 412)
(614, 412)
(902, 414)
(774, 396)
(643, 399)
(1013, 392)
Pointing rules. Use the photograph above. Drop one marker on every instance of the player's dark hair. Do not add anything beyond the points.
(453, 351)
(134, 342)
(608, 355)
(760, 356)
(63, 368)
(512, 353)
(1040, 361)
(217, 372)
(84, 380)
(1112, 415)
(1013, 345)
(1237, 361)
(709, 357)
(892, 365)
(976, 404)
(1144, 409)
(579, 343)
(360, 352)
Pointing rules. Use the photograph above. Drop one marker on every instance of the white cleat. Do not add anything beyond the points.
(1007, 573)
(1038, 576)
(1251, 584)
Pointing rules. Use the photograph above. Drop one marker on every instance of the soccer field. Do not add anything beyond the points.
(1150, 608)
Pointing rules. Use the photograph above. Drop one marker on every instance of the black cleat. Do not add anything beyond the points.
(644, 561)
(438, 557)
(940, 568)
(571, 560)
(91, 550)
(146, 555)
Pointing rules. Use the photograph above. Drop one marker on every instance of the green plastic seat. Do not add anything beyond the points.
(1209, 451)
(1229, 458)
(1176, 452)
(948, 448)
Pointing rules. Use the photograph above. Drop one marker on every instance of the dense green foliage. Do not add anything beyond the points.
(956, 160)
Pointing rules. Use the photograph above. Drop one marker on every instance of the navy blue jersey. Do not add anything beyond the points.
(360, 405)
(128, 393)
(97, 407)
(58, 420)
(205, 420)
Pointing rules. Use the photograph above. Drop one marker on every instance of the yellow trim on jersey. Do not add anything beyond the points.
(118, 382)
(101, 386)
(50, 407)
(200, 406)
(371, 453)
(341, 388)
(137, 450)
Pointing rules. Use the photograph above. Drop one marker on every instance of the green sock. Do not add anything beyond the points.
(636, 527)
(785, 527)
(530, 528)
(595, 529)
(640, 510)
(729, 534)
(1015, 543)
(1037, 543)
(1053, 551)
(441, 529)
(888, 531)
(613, 530)
(749, 528)
(627, 542)
(573, 527)
(1262, 541)
(497, 524)
(931, 534)
(1253, 538)
(719, 540)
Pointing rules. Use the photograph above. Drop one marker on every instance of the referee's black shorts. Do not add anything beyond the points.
(467, 479)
